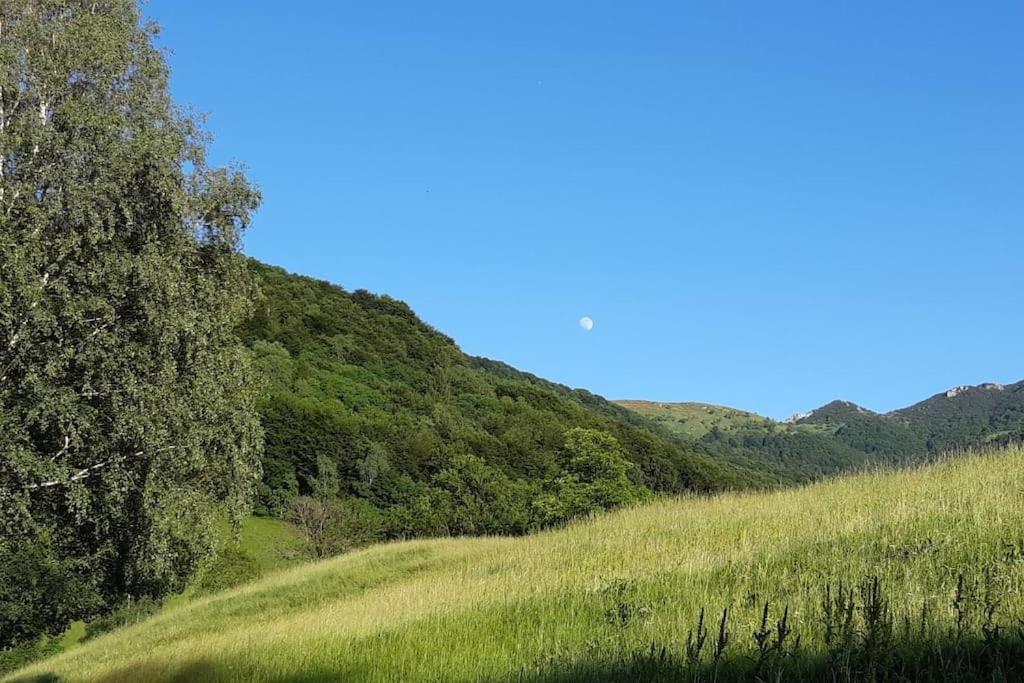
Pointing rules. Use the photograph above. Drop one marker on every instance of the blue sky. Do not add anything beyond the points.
(764, 205)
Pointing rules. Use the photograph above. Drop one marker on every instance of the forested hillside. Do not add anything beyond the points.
(968, 416)
(419, 439)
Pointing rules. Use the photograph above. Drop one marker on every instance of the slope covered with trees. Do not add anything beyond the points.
(968, 416)
(378, 426)
(962, 417)
(419, 439)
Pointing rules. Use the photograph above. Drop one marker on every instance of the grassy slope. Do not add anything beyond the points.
(497, 608)
(694, 420)
(272, 543)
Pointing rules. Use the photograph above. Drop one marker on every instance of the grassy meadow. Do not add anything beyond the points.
(879, 576)
(694, 420)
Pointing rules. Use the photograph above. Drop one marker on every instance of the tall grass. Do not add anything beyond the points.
(886, 576)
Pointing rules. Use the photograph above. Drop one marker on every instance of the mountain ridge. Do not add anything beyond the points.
(841, 434)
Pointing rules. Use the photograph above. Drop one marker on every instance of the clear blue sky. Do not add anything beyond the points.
(765, 205)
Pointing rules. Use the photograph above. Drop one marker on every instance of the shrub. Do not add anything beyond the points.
(232, 567)
(132, 612)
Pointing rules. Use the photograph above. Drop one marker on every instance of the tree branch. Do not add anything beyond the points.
(63, 450)
(81, 474)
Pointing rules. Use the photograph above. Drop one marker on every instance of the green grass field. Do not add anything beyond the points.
(272, 543)
(616, 597)
(263, 545)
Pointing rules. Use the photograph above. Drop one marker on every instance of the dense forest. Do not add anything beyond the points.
(967, 417)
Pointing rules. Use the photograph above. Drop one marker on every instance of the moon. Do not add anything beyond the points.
(586, 323)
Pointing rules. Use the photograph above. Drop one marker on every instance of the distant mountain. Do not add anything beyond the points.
(968, 416)
(881, 437)
(840, 435)
(961, 417)
(790, 453)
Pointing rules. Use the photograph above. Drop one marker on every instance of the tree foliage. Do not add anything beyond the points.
(126, 404)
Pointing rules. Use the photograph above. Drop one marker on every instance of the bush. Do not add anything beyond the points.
(359, 522)
(132, 612)
(318, 520)
(232, 567)
(26, 653)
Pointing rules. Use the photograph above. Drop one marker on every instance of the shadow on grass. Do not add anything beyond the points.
(961, 662)
(203, 671)
(145, 671)
(999, 661)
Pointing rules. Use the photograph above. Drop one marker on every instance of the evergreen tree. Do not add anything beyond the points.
(127, 423)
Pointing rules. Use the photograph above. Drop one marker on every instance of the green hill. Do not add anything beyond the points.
(880, 437)
(426, 440)
(968, 416)
(916, 574)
